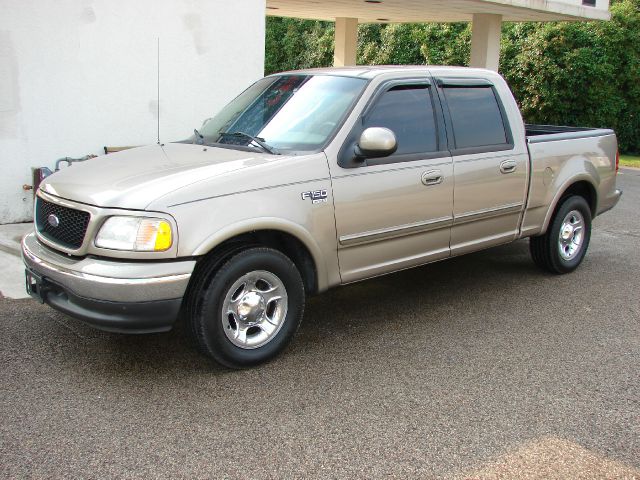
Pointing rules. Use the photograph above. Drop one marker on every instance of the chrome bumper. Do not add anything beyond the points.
(115, 295)
(111, 280)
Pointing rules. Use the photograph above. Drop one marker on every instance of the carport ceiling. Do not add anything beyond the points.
(434, 10)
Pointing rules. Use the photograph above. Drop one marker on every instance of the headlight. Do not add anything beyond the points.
(139, 234)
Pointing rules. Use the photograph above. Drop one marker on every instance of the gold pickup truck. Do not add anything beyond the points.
(306, 181)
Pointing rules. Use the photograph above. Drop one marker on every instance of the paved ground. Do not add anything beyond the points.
(480, 367)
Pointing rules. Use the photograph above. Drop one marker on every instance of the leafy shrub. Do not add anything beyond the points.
(581, 74)
(565, 73)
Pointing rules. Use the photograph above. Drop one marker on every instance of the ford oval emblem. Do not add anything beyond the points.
(53, 220)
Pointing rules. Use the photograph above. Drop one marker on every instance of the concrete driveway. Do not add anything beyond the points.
(479, 367)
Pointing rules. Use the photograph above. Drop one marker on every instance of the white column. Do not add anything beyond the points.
(485, 41)
(346, 45)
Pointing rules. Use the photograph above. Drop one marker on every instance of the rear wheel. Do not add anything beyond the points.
(248, 310)
(565, 244)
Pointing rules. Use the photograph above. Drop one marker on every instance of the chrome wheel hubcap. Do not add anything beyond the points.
(254, 309)
(571, 235)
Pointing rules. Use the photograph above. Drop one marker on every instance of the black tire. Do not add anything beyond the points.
(205, 304)
(545, 249)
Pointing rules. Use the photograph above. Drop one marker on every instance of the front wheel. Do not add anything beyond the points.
(565, 244)
(249, 308)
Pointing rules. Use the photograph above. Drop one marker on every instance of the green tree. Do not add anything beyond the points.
(292, 44)
(566, 73)
(414, 44)
(579, 73)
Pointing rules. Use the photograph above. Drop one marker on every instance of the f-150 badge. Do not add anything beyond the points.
(316, 196)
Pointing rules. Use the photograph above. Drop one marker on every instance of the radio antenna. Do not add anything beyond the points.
(158, 102)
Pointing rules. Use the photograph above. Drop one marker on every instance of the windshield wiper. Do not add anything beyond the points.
(257, 140)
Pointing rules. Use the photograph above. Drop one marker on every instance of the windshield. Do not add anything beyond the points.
(286, 112)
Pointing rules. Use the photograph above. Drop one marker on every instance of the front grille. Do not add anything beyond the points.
(62, 225)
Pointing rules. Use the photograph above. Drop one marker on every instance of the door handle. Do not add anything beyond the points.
(508, 166)
(432, 177)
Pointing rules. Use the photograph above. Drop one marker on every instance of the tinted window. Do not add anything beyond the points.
(406, 110)
(476, 117)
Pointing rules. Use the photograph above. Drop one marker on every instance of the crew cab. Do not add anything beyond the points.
(306, 181)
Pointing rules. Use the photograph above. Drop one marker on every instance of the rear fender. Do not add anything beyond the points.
(565, 185)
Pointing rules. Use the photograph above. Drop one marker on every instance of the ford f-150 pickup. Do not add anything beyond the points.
(306, 181)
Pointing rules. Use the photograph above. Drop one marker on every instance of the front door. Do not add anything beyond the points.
(395, 212)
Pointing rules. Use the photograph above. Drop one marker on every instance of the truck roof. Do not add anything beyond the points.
(373, 71)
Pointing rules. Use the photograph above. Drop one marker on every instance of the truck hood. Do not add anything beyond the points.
(134, 178)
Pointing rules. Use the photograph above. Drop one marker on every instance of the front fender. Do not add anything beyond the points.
(270, 223)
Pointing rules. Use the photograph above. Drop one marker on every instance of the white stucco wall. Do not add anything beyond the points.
(76, 75)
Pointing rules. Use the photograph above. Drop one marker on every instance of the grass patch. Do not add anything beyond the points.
(630, 161)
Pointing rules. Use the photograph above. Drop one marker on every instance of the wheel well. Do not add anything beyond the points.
(278, 240)
(587, 191)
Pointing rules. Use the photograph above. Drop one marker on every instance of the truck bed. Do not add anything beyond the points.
(550, 133)
(557, 153)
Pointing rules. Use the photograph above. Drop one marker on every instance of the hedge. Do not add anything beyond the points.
(564, 73)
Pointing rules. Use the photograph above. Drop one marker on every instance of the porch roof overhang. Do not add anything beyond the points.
(418, 11)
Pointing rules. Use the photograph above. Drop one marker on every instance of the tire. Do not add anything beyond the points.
(246, 311)
(563, 247)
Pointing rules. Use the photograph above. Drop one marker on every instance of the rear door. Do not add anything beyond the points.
(490, 172)
(395, 212)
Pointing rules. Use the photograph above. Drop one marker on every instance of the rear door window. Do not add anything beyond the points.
(475, 116)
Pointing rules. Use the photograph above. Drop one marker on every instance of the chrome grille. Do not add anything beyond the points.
(62, 225)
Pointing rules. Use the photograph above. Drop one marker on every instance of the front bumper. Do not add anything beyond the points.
(113, 295)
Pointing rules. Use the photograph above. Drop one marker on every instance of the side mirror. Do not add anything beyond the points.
(376, 142)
